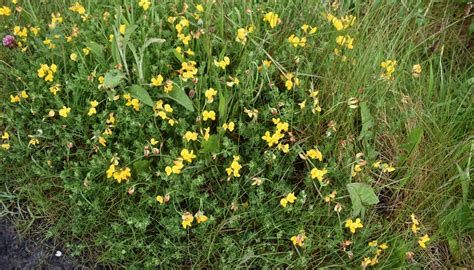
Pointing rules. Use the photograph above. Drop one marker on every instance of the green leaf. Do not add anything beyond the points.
(113, 78)
(362, 195)
(141, 94)
(212, 145)
(179, 95)
(96, 49)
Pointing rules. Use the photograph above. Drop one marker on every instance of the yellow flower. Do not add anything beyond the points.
(190, 136)
(73, 56)
(110, 171)
(330, 197)
(223, 63)
(285, 148)
(5, 146)
(86, 50)
(387, 168)
(5, 136)
(283, 202)
(122, 29)
(210, 94)
(415, 223)
(78, 8)
(157, 81)
(319, 174)
(298, 240)
(55, 89)
(33, 141)
(153, 141)
(123, 174)
(345, 41)
(272, 19)
(145, 4)
(200, 217)
(373, 243)
(416, 70)
(15, 99)
(160, 199)
(187, 219)
(168, 86)
(20, 32)
(234, 168)
(230, 126)
(64, 111)
(291, 198)
(91, 111)
(208, 115)
(102, 141)
(34, 30)
(188, 155)
(422, 241)
(199, 8)
(296, 41)
(267, 63)
(354, 225)
(5, 11)
(366, 262)
(315, 154)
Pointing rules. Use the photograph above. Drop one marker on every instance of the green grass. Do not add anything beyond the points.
(422, 125)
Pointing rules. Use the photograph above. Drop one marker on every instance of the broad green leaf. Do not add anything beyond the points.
(362, 195)
(113, 78)
(179, 95)
(212, 145)
(141, 94)
(96, 49)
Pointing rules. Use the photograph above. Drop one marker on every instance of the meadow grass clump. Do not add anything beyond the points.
(240, 134)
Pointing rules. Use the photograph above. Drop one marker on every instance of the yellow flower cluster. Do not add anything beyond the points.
(414, 228)
(290, 81)
(55, 20)
(222, 63)
(313, 94)
(134, 102)
(234, 168)
(298, 240)
(210, 94)
(188, 218)
(20, 32)
(346, 41)
(389, 68)
(188, 70)
(289, 198)
(5, 141)
(242, 34)
(274, 139)
(119, 175)
(182, 25)
(47, 72)
(367, 261)
(163, 110)
(385, 167)
(342, 23)
(92, 109)
(206, 115)
(17, 98)
(78, 8)
(5, 11)
(145, 4)
(272, 18)
(64, 111)
(353, 225)
(297, 41)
